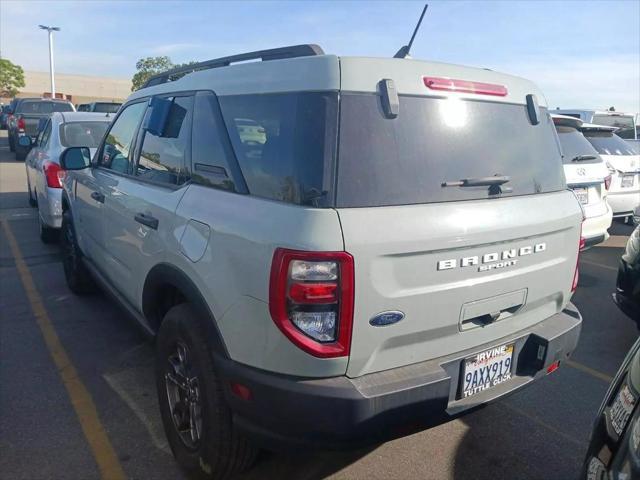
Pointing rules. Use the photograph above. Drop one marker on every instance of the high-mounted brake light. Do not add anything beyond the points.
(607, 182)
(465, 86)
(311, 300)
(21, 124)
(54, 174)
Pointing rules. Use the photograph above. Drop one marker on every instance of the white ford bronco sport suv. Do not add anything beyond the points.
(390, 244)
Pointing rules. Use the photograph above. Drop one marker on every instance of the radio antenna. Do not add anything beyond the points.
(404, 51)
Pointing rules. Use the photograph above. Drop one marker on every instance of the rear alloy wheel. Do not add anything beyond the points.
(47, 234)
(78, 278)
(197, 421)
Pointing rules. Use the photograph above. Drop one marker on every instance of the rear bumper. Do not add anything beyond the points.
(594, 229)
(623, 203)
(341, 411)
(50, 207)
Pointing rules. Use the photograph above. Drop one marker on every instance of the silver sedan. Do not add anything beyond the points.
(61, 130)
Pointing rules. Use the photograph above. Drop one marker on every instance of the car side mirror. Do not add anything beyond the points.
(75, 158)
(157, 115)
(24, 141)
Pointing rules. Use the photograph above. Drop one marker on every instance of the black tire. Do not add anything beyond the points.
(48, 234)
(12, 146)
(219, 451)
(78, 278)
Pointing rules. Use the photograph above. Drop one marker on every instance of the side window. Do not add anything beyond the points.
(210, 150)
(116, 153)
(46, 133)
(163, 157)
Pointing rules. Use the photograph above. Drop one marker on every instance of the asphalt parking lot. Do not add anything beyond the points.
(77, 398)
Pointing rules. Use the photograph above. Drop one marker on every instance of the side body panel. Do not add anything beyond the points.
(233, 273)
(131, 248)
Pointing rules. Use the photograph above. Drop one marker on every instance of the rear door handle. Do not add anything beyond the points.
(147, 220)
(97, 196)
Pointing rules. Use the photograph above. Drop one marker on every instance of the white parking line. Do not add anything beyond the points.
(595, 264)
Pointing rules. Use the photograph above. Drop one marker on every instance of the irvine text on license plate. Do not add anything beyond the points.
(486, 369)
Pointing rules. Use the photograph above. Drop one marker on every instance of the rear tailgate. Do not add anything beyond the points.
(31, 122)
(398, 252)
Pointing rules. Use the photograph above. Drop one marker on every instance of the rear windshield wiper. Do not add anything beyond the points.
(478, 182)
(582, 158)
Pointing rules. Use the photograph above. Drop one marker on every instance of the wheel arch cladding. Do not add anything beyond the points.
(167, 286)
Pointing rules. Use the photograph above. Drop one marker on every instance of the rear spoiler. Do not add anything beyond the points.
(602, 128)
(566, 121)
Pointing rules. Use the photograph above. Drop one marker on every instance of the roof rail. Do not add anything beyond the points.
(293, 51)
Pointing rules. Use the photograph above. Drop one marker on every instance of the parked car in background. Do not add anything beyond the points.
(625, 123)
(304, 300)
(623, 164)
(60, 131)
(4, 116)
(627, 295)
(102, 107)
(26, 118)
(614, 448)
(83, 107)
(587, 175)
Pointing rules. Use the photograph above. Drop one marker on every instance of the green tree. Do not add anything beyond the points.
(147, 67)
(11, 78)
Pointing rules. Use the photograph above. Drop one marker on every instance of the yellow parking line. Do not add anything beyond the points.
(85, 408)
(591, 371)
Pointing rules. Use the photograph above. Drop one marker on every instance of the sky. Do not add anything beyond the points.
(583, 54)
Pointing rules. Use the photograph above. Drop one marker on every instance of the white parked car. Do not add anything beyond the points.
(624, 122)
(587, 175)
(62, 130)
(624, 165)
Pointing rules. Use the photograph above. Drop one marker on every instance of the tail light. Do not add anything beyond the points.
(581, 246)
(607, 182)
(54, 174)
(465, 86)
(311, 300)
(21, 124)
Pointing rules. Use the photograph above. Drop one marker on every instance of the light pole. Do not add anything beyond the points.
(53, 82)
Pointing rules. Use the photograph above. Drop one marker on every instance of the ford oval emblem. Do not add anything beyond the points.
(386, 318)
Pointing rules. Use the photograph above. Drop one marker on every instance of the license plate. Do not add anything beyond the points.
(486, 369)
(582, 194)
(622, 409)
(627, 181)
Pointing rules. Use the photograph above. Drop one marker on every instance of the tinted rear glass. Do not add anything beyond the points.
(607, 143)
(106, 107)
(626, 124)
(27, 108)
(405, 160)
(285, 144)
(574, 144)
(82, 134)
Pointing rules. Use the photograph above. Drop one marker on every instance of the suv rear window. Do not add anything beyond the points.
(574, 144)
(405, 160)
(39, 107)
(82, 134)
(285, 144)
(625, 123)
(608, 143)
(103, 107)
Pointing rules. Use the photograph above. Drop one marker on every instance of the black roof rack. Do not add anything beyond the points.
(293, 51)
